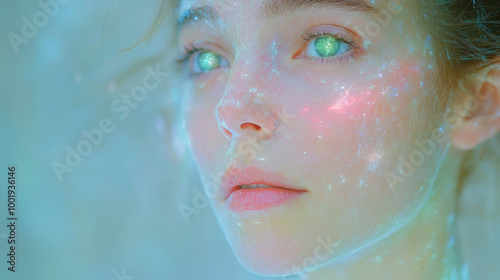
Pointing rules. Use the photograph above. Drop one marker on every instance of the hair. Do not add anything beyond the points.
(466, 32)
(466, 35)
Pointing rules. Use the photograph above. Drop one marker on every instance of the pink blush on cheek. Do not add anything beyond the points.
(395, 86)
(365, 107)
(346, 107)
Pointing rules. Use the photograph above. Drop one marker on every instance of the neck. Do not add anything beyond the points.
(426, 248)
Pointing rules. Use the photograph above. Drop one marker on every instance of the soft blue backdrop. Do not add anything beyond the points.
(116, 214)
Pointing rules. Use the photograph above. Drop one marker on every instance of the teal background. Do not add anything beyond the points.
(116, 215)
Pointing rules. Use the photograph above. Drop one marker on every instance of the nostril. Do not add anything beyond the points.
(250, 126)
(227, 132)
(263, 134)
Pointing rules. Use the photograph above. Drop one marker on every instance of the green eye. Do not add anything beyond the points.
(326, 46)
(208, 61)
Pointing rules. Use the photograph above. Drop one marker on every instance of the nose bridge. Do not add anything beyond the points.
(247, 104)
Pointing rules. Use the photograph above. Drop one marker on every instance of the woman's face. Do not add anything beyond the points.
(337, 99)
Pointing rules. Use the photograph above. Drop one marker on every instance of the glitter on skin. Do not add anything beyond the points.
(354, 119)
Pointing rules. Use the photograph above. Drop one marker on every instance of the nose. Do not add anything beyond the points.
(246, 116)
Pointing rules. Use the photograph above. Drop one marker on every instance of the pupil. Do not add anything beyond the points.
(326, 46)
(208, 61)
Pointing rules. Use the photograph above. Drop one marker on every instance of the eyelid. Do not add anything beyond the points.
(201, 46)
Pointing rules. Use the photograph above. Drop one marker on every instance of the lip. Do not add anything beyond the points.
(280, 190)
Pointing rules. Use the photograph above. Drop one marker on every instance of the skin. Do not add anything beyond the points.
(350, 125)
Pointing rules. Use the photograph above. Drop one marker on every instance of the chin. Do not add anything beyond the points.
(276, 263)
(281, 255)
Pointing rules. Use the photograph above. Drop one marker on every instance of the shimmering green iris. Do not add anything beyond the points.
(208, 61)
(326, 46)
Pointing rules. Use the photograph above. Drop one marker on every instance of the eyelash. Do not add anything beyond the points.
(187, 53)
(189, 50)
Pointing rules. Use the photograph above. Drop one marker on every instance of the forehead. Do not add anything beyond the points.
(199, 11)
(186, 4)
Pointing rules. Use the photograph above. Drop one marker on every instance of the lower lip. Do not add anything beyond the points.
(244, 200)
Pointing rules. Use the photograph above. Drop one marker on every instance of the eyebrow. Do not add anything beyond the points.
(275, 8)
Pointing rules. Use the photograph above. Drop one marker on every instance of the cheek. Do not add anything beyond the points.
(206, 141)
(360, 117)
(354, 134)
(201, 123)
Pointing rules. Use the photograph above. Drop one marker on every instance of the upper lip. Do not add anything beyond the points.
(248, 175)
